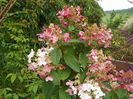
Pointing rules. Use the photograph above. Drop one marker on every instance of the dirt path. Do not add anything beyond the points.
(123, 65)
(128, 36)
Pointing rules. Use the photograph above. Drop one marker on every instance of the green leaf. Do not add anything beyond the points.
(35, 88)
(20, 78)
(82, 76)
(10, 74)
(55, 97)
(68, 49)
(9, 89)
(40, 96)
(5, 1)
(61, 74)
(49, 90)
(56, 55)
(64, 74)
(15, 96)
(71, 28)
(63, 94)
(122, 94)
(75, 41)
(107, 84)
(3, 91)
(72, 62)
(94, 43)
(13, 77)
(83, 60)
(111, 95)
(56, 76)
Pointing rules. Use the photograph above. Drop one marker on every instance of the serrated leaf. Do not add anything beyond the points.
(13, 78)
(63, 94)
(72, 62)
(83, 60)
(56, 55)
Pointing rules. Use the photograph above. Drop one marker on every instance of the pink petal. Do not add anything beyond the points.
(49, 78)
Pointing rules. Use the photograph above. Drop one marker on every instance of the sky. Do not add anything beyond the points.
(115, 4)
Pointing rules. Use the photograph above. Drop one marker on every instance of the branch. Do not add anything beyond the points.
(6, 7)
(6, 10)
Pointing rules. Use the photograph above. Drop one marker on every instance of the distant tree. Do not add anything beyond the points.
(130, 1)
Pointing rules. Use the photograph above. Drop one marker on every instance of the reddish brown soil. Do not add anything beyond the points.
(123, 65)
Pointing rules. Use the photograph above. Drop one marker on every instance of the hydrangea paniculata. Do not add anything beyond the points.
(72, 32)
(87, 90)
(70, 14)
(51, 34)
(93, 34)
(100, 67)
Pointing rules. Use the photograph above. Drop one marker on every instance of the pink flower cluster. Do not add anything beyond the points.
(94, 34)
(70, 14)
(100, 66)
(103, 70)
(46, 69)
(53, 34)
(66, 37)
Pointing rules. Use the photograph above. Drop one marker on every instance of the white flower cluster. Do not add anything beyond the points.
(88, 90)
(40, 58)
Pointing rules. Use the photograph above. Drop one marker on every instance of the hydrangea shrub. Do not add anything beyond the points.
(72, 64)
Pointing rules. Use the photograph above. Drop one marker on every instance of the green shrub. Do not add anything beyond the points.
(129, 25)
(114, 20)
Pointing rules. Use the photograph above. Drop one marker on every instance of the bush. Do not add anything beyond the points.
(73, 63)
